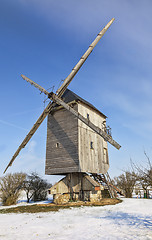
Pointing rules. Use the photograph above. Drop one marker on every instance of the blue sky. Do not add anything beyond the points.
(44, 40)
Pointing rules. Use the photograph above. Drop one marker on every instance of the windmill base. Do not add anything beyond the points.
(77, 187)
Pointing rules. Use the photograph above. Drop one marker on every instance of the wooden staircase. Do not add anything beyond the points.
(109, 189)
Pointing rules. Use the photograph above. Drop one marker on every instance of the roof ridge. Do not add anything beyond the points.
(70, 96)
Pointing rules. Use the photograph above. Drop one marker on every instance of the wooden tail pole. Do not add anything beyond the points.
(99, 131)
(69, 78)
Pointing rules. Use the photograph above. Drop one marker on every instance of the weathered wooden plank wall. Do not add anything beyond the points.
(91, 160)
(69, 143)
(62, 143)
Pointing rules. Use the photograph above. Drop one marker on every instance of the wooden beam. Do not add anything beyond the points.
(35, 84)
(60, 92)
(69, 78)
(99, 131)
(46, 111)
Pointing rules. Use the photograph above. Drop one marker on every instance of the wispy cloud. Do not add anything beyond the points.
(12, 125)
(24, 112)
(117, 76)
(28, 160)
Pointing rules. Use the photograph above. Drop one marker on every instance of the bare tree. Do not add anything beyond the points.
(126, 183)
(144, 173)
(10, 187)
(35, 187)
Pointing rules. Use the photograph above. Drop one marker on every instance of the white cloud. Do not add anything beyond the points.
(130, 40)
(11, 125)
(123, 102)
(131, 30)
(28, 160)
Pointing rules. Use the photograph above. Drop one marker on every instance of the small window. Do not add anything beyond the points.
(57, 145)
(88, 116)
(91, 145)
(105, 152)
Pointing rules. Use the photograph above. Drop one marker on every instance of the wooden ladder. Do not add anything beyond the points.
(105, 179)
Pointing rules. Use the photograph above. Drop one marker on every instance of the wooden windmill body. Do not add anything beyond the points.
(71, 145)
(76, 137)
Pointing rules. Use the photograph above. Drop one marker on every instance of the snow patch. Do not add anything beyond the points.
(131, 219)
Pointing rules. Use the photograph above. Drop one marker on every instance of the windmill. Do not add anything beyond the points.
(67, 126)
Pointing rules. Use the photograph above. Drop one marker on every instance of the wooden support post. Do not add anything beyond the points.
(81, 190)
(70, 187)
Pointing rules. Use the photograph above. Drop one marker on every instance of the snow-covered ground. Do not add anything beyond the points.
(131, 219)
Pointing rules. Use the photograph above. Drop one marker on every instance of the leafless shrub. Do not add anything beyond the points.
(10, 187)
(143, 173)
(126, 183)
(35, 187)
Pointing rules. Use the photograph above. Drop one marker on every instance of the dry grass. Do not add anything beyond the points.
(54, 207)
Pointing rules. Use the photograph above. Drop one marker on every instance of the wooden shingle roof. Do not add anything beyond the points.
(70, 96)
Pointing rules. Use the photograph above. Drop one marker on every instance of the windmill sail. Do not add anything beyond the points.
(31, 132)
(69, 78)
(35, 84)
(99, 131)
(60, 92)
